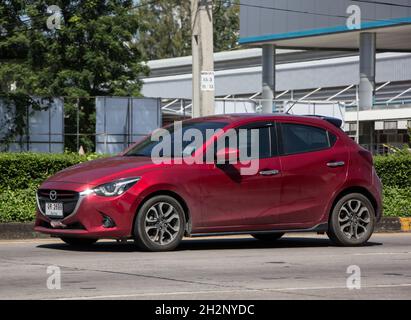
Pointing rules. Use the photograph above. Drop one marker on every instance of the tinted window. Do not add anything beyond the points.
(145, 147)
(298, 138)
(333, 138)
(253, 135)
(260, 138)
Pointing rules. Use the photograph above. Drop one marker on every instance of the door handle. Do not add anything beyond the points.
(269, 172)
(335, 164)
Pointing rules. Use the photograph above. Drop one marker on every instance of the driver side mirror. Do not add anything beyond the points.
(227, 155)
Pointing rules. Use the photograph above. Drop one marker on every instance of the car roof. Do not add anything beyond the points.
(232, 117)
(251, 117)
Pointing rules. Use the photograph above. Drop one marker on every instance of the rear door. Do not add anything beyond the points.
(313, 166)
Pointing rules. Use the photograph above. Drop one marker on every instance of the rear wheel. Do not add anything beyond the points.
(159, 224)
(78, 241)
(267, 236)
(352, 220)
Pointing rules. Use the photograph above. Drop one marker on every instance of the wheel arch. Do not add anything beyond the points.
(176, 196)
(356, 189)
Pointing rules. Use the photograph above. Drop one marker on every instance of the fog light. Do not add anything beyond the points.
(108, 222)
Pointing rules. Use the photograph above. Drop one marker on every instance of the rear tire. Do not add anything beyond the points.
(352, 220)
(268, 237)
(78, 242)
(159, 224)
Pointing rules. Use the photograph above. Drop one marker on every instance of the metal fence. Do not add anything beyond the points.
(121, 121)
(68, 123)
(43, 132)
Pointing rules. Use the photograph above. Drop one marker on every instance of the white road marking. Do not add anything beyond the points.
(379, 253)
(135, 295)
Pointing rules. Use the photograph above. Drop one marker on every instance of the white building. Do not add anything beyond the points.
(301, 76)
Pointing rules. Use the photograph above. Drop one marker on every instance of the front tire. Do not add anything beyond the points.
(159, 224)
(268, 237)
(78, 242)
(352, 220)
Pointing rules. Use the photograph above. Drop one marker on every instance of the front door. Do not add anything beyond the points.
(235, 201)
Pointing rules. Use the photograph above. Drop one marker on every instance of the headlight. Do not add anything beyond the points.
(112, 189)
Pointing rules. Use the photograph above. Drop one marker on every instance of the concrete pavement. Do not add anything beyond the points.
(296, 267)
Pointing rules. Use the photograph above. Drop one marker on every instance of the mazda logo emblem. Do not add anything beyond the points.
(53, 195)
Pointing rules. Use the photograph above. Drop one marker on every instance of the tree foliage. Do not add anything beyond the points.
(166, 27)
(93, 53)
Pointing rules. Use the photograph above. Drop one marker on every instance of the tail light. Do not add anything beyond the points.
(367, 156)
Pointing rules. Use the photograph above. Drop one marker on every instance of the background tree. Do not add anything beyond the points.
(226, 16)
(92, 54)
(166, 27)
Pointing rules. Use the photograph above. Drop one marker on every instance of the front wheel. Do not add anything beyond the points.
(78, 241)
(159, 224)
(267, 236)
(352, 220)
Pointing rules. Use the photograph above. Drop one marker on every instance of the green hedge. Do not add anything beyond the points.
(397, 201)
(394, 170)
(17, 205)
(25, 170)
(21, 173)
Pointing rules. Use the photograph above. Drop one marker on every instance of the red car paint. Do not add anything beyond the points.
(299, 198)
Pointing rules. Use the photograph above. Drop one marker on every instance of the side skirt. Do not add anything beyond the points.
(322, 227)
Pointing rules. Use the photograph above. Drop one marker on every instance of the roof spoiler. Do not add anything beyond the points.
(335, 121)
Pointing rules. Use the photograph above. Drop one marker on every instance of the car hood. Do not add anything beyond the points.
(103, 170)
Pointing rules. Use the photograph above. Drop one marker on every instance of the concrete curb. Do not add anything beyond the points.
(19, 230)
(394, 224)
(24, 230)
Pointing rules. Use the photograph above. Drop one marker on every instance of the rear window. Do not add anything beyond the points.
(297, 138)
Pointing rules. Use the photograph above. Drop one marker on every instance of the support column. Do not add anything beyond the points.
(367, 70)
(268, 73)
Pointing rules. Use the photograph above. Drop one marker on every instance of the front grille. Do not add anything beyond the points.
(68, 198)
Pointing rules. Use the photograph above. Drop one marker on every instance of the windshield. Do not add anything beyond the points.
(189, 130)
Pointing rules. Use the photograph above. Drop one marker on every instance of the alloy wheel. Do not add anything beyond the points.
(354, 219)
(162, 223)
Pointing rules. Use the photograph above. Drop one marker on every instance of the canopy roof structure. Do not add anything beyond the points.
(322, 24)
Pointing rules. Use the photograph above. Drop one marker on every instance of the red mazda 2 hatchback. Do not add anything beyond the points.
(310, 177)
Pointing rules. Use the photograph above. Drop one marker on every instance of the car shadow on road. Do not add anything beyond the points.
(250, 243)
(207, 244)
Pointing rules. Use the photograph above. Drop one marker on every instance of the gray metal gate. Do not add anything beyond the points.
(121, 121)
(44, 131)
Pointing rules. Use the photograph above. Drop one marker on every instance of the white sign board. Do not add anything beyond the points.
(207, 81)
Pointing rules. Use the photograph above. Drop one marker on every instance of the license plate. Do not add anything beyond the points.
(54, 209)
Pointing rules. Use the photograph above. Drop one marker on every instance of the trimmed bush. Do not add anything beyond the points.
(17, 205)
(25, 170)
(22, 173)
(394, 170)
(397, 202)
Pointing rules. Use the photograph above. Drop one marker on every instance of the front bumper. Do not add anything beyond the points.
(87, 219)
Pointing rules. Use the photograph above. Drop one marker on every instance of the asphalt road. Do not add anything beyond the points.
(295, 267)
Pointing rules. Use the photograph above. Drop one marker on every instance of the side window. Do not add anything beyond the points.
(297, 138)
(333, 138)
(264, 134)
(261, 139)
